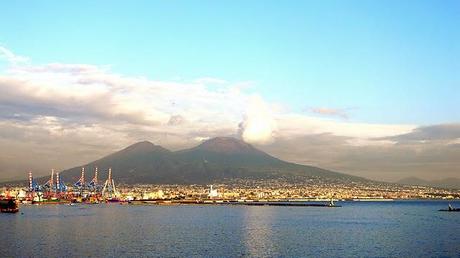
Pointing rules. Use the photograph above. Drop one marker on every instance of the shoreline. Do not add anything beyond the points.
(219, 202)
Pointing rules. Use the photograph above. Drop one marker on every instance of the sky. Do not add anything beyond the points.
(369, 88)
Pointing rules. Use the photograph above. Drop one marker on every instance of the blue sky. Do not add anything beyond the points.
(383, 62)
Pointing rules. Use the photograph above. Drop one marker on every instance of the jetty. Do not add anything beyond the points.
(329, 204)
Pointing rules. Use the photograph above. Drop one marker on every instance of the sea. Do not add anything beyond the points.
(357, 229)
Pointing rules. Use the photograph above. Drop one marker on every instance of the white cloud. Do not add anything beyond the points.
(84, 111)
(11, 57)
(330, 112)
(295, 125)
(258, 125)
(89, 94)
(454, 142)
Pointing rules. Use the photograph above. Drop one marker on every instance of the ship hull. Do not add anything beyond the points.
(8, 206)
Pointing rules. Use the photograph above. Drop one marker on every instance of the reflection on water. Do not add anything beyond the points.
(257, 223)
(403, 229)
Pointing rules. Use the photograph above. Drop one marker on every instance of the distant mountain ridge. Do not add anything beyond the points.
(453, 183)
(213, 160)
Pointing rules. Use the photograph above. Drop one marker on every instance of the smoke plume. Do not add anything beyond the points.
(258, 125)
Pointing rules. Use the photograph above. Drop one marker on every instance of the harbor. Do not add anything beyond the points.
(54, 191)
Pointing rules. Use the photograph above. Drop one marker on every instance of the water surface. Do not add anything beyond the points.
(371, 229)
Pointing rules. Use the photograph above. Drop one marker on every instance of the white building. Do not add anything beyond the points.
(213, 193)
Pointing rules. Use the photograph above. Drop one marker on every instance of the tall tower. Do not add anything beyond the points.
(109, 190)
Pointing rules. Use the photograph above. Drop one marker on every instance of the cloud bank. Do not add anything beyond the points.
(61, 115)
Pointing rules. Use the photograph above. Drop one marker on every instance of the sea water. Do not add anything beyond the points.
(357, 229)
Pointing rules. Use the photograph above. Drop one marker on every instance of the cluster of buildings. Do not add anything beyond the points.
(276, 189)
(237, 189)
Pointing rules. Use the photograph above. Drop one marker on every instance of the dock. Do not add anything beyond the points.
(234, 202)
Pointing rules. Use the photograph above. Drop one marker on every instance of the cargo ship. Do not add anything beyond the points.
(8, 206)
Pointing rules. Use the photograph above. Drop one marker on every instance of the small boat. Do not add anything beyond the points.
(8, 206)
(113, 199)
(450, 208)
(453, 210)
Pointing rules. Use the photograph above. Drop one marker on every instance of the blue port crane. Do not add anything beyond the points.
(81, 182)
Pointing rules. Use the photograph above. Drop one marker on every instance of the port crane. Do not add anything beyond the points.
(55, 189)
(33, 186)
(110, 191)
(80, 184)
(94, 184)
(60, 185)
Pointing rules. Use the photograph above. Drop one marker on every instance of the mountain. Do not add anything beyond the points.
(453, 183)
(216, 159)
(140, 162)
(227, 157)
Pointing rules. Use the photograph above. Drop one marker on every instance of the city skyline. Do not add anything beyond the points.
(365, 89)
